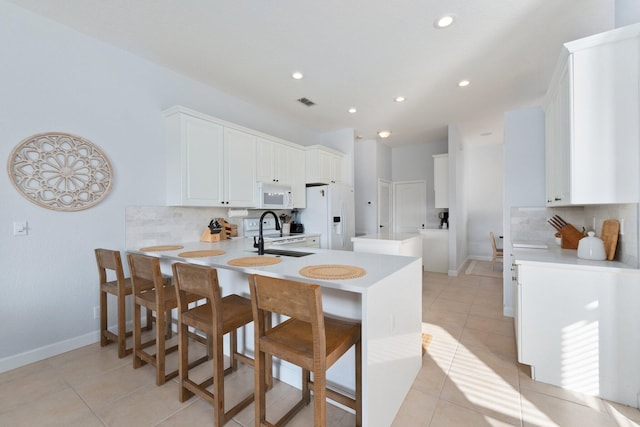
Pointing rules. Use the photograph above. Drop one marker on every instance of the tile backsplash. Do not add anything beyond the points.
(166, 225)
(530, 224)
(627, 214)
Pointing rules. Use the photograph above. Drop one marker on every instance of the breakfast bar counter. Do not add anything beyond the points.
(383, 292)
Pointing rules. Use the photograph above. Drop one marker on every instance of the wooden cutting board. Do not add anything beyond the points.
(610, 231)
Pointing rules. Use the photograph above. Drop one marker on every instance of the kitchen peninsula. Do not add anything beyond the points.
(386, 299)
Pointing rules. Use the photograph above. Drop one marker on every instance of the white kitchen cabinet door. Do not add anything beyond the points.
(324, 166)
(557, 146)
(298, 174)
(435, 250)
(592, 113)
(194, 161)
(239, 169)
(208, 163)
(441, 180)
(577, 328)
(273, 162)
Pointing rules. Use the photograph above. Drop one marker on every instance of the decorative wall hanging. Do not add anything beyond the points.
(60, 171)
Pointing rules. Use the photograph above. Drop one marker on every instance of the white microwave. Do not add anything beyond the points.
(274, 196)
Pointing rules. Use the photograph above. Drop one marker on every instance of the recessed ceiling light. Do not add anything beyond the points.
(444, 21)
(464, 83)
(384, 133)
(399, 99)
(352, 110)
(297, 75)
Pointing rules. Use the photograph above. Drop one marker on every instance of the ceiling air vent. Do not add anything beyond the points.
(307, 102)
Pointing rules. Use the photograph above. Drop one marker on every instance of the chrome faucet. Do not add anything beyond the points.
(260, 243)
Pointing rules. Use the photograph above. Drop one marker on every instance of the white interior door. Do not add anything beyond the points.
(410, 205)
(385, 204)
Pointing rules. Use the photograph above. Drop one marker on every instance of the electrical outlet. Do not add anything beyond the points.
(96, 312)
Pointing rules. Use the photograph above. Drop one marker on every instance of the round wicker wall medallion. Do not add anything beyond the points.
(60, 171)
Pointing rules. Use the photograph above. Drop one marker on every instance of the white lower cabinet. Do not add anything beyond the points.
(312, 241)
(578, 328)
(435, 250)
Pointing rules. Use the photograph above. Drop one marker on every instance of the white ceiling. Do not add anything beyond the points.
(353, 53)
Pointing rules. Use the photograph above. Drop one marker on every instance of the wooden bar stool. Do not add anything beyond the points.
(109, 260)
(156, 293)
(307, 339)
(216, 318)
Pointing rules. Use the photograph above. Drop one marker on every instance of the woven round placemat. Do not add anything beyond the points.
(332, 271)
(161, 248)
(254, 261)
(200, 254)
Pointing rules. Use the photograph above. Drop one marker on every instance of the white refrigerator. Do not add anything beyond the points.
(330, 212)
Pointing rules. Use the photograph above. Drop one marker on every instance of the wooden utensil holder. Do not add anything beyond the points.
(570, 237)
(206, 236)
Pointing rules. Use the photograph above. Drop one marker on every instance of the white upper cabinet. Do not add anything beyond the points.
(324, 166)
(208, 164)
(273, 162)
(282, 163)
(239, 170)
(298, 175)
(441, 180)
(592, 121)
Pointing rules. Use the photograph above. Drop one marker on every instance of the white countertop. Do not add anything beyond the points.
(377, 266)
(555, 256)
(429, 230)
(391, 236)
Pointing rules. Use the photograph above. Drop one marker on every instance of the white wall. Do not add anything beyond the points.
(458, 214)
(366, 187)
(55, 79)
(483, 188)
(524, 183)
(415, 162)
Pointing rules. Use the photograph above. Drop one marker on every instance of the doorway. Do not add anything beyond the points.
(385, 204)
(410, 205)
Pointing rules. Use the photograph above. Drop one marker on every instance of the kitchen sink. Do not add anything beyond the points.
(283, 252)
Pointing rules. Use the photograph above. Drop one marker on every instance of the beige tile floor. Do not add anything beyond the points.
(469, 377)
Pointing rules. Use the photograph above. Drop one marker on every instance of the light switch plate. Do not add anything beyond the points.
(20, 228)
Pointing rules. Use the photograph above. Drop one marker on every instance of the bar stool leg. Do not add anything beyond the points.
(137, 336)
(319, 398)
(260, 388)
(122, 334)
(104, 340)
(183, 363)
(218, 382)
(160, 347)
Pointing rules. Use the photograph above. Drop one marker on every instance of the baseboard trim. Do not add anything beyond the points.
(41, 353)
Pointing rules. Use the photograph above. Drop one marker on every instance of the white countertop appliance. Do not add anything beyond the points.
(274, 196)
(270, 234)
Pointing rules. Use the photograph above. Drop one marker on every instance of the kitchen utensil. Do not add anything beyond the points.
(591, 247)
(554, 224)
(610, 231)
(570, 237)
(561, 221)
